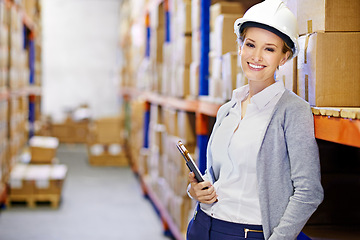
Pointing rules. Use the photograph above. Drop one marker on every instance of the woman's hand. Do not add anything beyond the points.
(203, 192)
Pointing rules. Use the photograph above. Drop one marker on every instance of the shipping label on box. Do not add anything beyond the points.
(328, 15)
(328, 72)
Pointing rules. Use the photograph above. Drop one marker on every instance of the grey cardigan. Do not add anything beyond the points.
(288, 168)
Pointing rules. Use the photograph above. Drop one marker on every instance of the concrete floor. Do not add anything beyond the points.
(97, 203)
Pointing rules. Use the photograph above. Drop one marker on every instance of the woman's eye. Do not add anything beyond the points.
(250, 45)
(270, 49)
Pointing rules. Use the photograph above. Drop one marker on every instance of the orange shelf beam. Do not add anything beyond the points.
(338, 130)
(207, 108)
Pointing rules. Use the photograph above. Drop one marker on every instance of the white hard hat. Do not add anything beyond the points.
(272, 15)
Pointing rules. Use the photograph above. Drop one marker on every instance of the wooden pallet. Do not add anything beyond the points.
(31, 200)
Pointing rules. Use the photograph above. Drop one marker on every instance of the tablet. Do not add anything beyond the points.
(189, 161)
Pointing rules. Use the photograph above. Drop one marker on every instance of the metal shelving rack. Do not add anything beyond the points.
(333, 129)
(31, 91)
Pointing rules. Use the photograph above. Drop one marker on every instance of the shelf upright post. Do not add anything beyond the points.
(146, 125)
(167, 21)
(202, 129)
(29, 44)
(148, 35)
(204, 47)
(201, 119)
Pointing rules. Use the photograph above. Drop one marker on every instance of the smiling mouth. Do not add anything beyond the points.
(255, 66)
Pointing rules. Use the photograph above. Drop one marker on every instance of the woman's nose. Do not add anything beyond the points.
(257, 57)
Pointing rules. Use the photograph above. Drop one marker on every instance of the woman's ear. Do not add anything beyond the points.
(239, 49)
(285, 58)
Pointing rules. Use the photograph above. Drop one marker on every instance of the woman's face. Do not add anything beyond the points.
(261, 53)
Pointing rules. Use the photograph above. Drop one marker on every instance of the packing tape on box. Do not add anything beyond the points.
(306, 47)
(309, 26)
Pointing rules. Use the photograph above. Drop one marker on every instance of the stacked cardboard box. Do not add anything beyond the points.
(157, 38)
(327, 72)
(224, 68)
(19, 71)
(75, 127)
(43, 149)
(4, 164)
(4, 47)
(17, 118)
(106, 142)
(167, 172)
(195, 49)
(32, 183)
(134, 133)
(177, 50)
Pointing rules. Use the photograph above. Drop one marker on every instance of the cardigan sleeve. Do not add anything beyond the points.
(304, 162)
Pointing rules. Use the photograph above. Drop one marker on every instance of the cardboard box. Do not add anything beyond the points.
(171, 123)
(182, 86)
(328, 16)
(61, 131)
(109, 129)
(288, 74)
(183, 50)
(157, 18)
(186, 126)
(217, 9)
(224, 36)
(111, 154)
(31, 183)
(183, 17)
(43, 149)
(216, 89)
(195, 15)
(229, 71)
(328, 72)
(194, 79)
(195, 46)
(156, 44)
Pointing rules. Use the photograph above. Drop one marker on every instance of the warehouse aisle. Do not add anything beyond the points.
(97, 203)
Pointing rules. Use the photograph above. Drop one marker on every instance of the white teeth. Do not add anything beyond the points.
(255, 66)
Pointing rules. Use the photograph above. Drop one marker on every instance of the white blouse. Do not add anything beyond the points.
(235, 153)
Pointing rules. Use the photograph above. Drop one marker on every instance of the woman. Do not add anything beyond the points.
(263, 171)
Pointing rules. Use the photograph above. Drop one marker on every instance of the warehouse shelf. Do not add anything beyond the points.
(34, 90)
(208, 108)
(2, 193)
(338, 130)
(165, 216)
(334, 129)
(26, 91)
